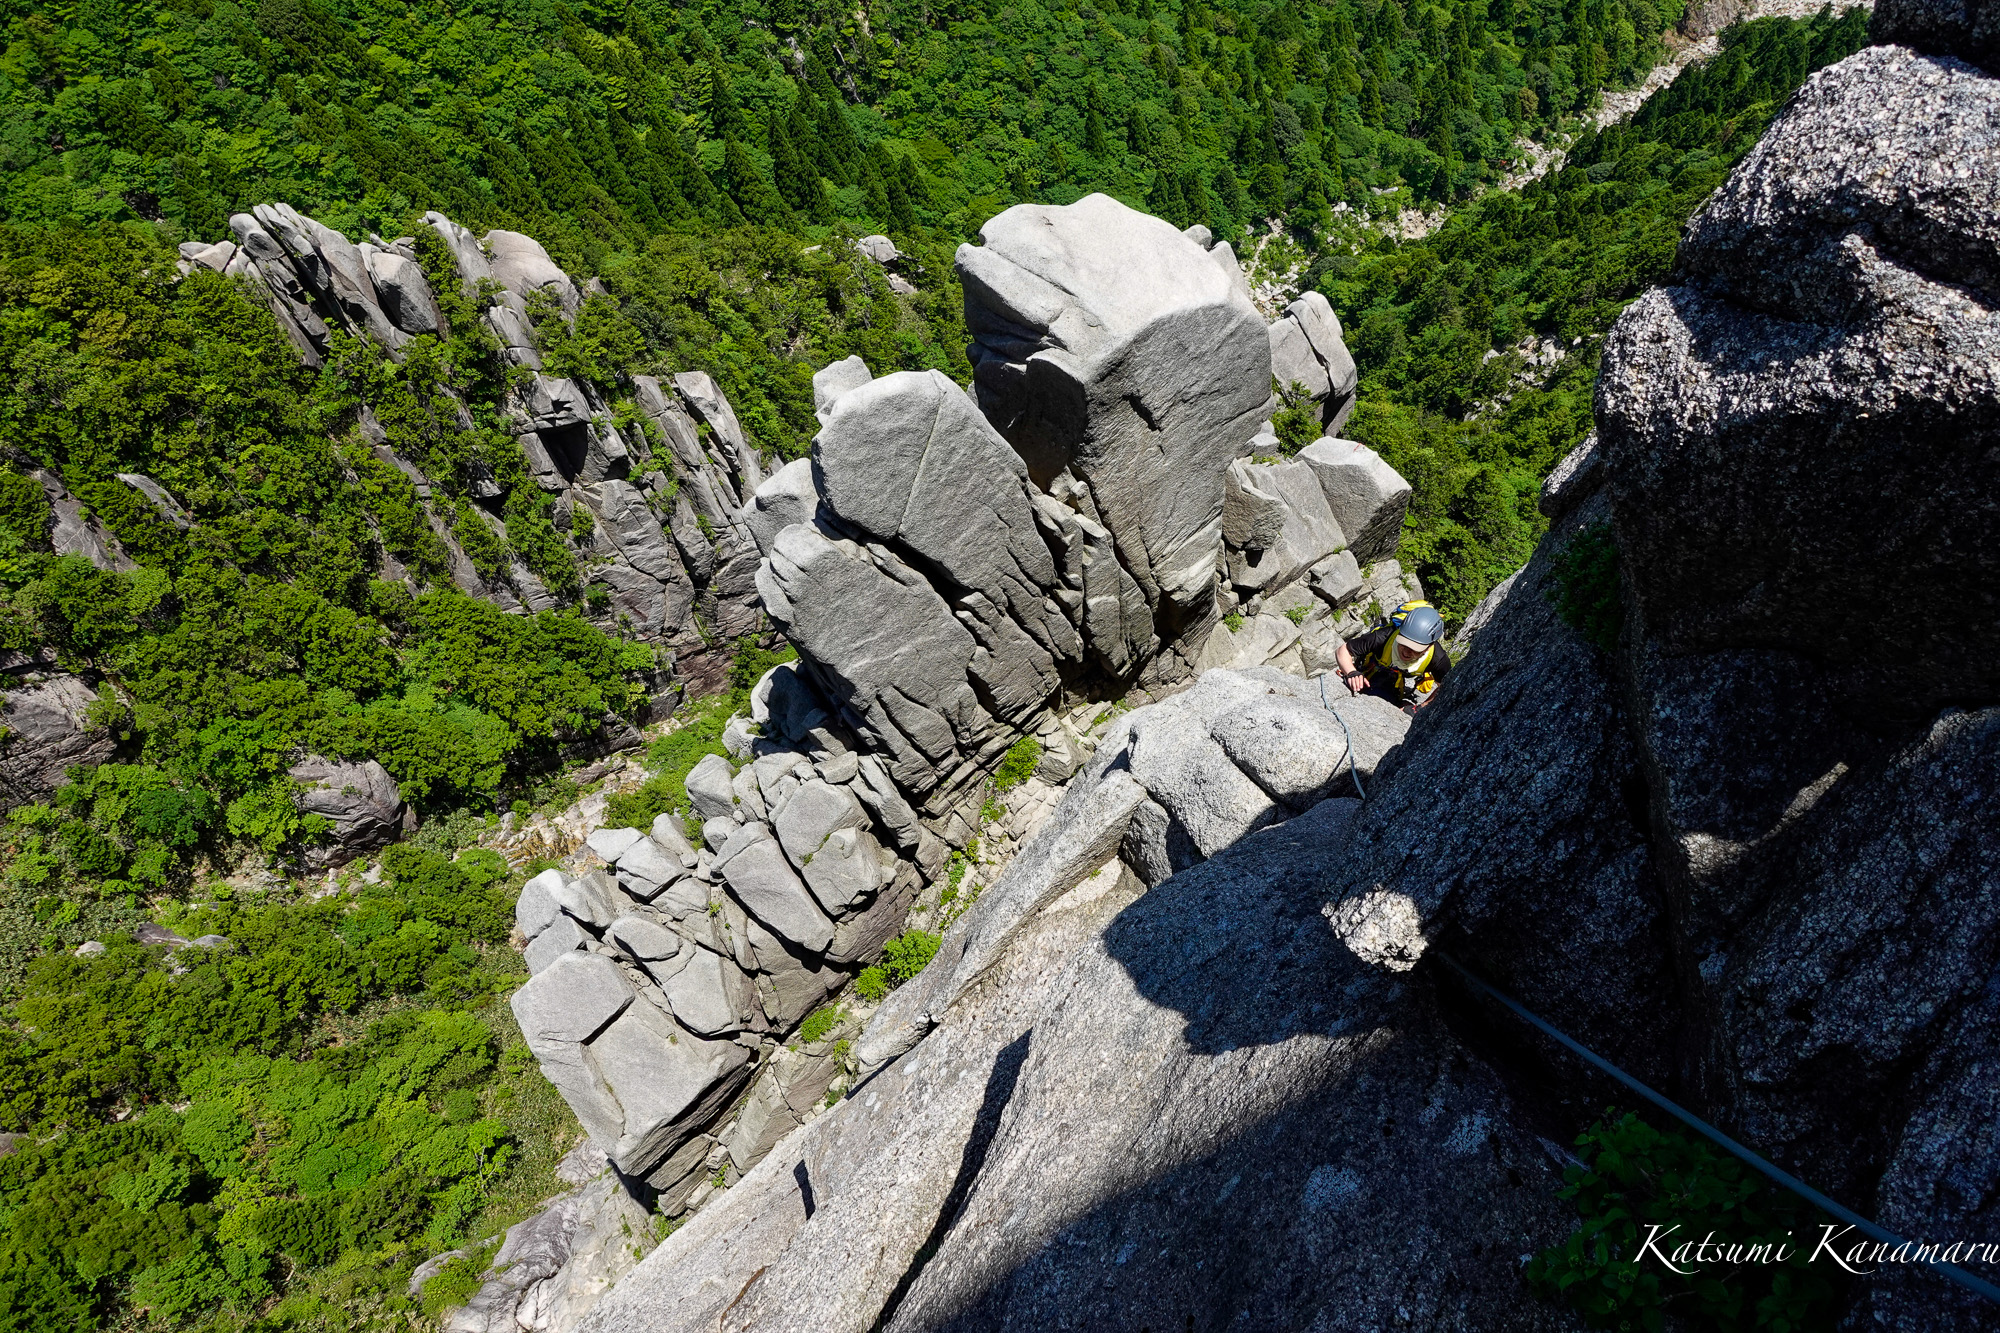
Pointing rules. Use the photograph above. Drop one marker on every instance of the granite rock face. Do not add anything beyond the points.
(361, 799)
(1097, 1104)
(1366, 496)
(652, 511)
(662, 981)
(1521, 776)
(1109, 346)
(1810, 422)
(1277, 523)
(1059, 532)
(1307, 351)
(47, 732)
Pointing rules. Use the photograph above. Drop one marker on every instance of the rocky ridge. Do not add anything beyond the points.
(1749, 855)
(662, 494)
(668, 981)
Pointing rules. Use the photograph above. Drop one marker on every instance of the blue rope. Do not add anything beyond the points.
(1352, 771)
(1723, 1141)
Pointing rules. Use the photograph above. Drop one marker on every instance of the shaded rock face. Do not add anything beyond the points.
(1520, 777)
(47, 731)
(1810, 422)
(1968, 29)
(1109, 346)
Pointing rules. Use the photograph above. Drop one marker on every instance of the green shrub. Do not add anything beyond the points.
(1636, 1178)
(671, 758)
(454, 1284)
(1587, 592)
(902, 958)
(1023, 757)
(1297, 424)
(820, 1022)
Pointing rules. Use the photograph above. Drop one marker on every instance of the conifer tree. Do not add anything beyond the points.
(755, 195)
(796, 179)
(1093, 123)
(724, 119)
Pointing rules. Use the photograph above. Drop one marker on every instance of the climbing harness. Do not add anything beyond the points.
(1352, 771)
(1723, 1141)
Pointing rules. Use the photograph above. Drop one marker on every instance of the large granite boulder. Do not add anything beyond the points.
(909, 461)
(900, 676)
(1307, 351)
(640, 1083)
(47, 732)
(1109, 346)
(1277, 523)
(1367, 497)
(1810, 423)
(360, 799)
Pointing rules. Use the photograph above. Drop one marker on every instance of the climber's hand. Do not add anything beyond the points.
(1355, 681)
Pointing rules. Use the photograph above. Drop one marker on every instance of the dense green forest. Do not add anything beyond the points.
(271, 1135)
(597, 126)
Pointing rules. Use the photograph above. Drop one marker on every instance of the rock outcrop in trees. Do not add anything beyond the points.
(659, 497)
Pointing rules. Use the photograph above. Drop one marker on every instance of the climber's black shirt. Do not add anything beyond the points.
(1367, 648)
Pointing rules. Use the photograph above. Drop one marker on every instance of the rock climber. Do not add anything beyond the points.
(1400, 659)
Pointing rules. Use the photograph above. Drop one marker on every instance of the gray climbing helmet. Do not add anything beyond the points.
(1418, 622)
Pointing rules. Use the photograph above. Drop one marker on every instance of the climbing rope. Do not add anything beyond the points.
(1352, 771)
(1723, 1141)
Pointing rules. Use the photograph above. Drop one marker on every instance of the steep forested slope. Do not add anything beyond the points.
(599, 126)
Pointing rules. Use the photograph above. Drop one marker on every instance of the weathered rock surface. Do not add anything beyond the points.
(889, 1211)
(1307, 350)
(1521, 775)
(1277, 523)
(909, 461)
(899, 676)
(1109, 346)
(1968, 29)
(1366, 496)
(47, 732)
(1244, 1147)
(553, 1267)
(1811, 422)
(361, 799)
